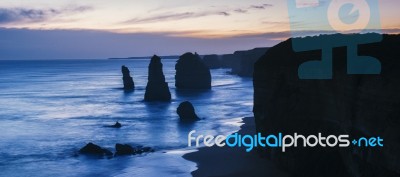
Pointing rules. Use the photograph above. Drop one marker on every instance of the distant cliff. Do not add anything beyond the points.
(358, 105)
(240, 62)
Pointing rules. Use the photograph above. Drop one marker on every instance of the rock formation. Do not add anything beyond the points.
(156, 89)
(126, 149)
(127, 79)
(186, 112)
(93, 149)
(192, 73)
(212, 61)
(357, 105)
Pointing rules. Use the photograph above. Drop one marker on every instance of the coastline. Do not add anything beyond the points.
(226, 161)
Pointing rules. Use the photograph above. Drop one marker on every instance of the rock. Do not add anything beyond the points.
(93, 149)
(186, 112)
(357, 105)
(212, 61)
(156, 89)
(124, 149)
(192, 73)
(126, 77)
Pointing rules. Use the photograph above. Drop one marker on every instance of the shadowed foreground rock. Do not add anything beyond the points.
(127, 79)
(186, 112)
(356, 105)
(93, 149)
(126, 149)
(156, 89)
(192, 73)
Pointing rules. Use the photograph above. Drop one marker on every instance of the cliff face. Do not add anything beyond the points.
(156, 89)
(212, 61)
(240, 62)
(358, 105)
(192, 73)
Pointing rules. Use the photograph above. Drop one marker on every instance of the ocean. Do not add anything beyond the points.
(49, 109)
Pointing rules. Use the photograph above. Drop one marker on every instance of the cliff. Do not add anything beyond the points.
(240, 62)
(358, 105)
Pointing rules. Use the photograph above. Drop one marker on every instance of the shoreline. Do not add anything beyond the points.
(227, 161)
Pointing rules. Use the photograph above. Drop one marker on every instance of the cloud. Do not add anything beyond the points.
(263, 6)
(12, 15)
(175, 16)
(240, 11)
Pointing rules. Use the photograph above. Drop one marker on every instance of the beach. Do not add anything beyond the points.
(227, 161)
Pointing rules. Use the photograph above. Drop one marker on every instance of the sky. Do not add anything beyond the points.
(86, 29)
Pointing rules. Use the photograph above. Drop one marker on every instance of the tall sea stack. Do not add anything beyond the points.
(192, 73)
(156, 89)
(126, 77)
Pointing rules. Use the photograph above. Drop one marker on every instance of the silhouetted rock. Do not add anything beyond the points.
(93, 149)
(212, 61)
(156, 89)
(357, 105)
(186, 112)
(126, 77)
(116, 125)
(243, 62)
(124, 149)
(192, 73)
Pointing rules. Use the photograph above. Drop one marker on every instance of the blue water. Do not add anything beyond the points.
(49, 109)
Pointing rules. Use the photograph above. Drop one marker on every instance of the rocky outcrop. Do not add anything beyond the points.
(156, 89)
(357, 105)
(126, 149)
(212, 61)
(93, 149)
(192, 73)
(116, 125)
(127, 79)
(186, 112)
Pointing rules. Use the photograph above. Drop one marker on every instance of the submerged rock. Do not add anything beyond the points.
(93, 149)
(186, 112)
(116, 125)
(192, 73)
(156, 89)
(126, 149)
(127, 79)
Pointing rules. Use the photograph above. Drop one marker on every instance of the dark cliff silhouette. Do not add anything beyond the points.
(156, 89)
(192, 73)
(240, 62)
(212, 61)
(127, 79)
(357, 105)
(186, 112)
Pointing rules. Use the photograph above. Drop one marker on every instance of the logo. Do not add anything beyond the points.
(281, 141)
(338, 17)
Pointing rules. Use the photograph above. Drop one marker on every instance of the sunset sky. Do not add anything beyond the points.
(48, 29)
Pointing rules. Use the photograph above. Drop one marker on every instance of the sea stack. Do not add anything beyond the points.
(156, 89)
(126, 77)
(186, 112)
(192, 73)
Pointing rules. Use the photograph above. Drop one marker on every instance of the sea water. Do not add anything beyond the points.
(49, 109)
